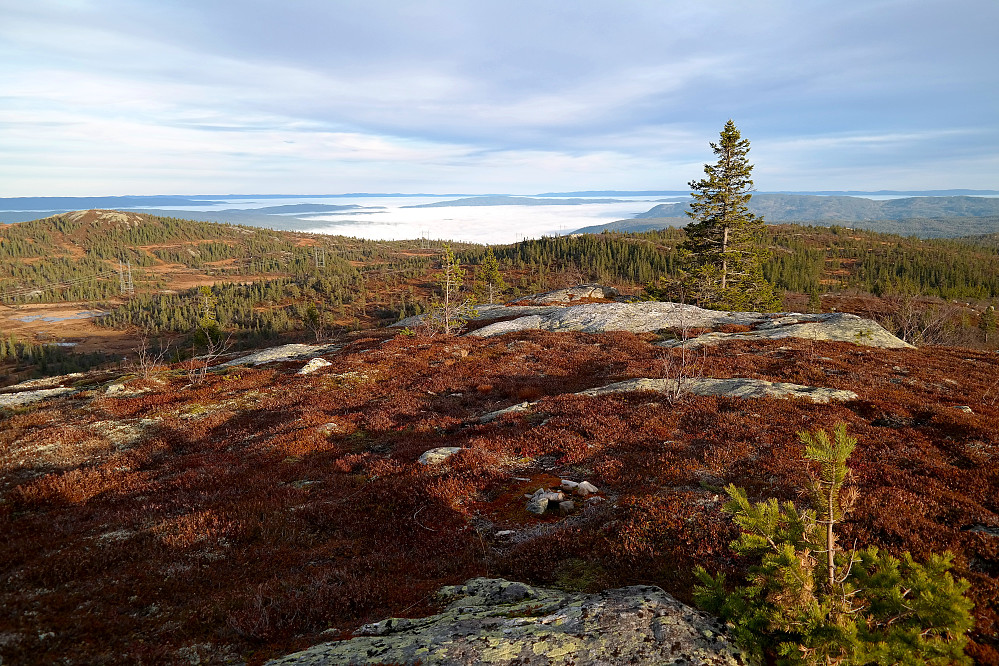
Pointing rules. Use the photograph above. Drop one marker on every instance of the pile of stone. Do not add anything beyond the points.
(544, 500)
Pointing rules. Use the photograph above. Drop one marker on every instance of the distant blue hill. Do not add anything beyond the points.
(616, 193)
(808, 208)
(926, 217)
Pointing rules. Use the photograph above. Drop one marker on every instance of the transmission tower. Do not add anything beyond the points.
(319, 254)
(125, 278)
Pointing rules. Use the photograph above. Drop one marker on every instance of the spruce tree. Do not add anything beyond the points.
(489, 280)
(723, 248)
(987, 322)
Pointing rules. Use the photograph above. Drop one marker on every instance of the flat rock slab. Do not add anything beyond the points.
(47, 382)
(290, 352)
(513, 409)
(731, 387)
(734, 387)
(27, 397)
(495, 621)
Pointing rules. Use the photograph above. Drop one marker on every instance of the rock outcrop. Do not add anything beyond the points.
(494, 621)
(27, 397)
(554, 311)
(290, 352)
(647, 317)
(732, 387)
(729, 387)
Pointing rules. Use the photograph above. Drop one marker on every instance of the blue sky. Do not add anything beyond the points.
(110, 97)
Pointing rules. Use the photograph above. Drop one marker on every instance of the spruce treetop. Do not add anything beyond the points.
(724, 239)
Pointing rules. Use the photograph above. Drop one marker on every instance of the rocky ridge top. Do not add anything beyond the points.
(544, 313)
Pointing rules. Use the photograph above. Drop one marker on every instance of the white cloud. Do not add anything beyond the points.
(514, 96)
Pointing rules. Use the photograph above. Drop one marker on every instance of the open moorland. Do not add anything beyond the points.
(260, 511)
(153, 514)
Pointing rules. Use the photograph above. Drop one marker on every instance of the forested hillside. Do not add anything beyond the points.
(151, 275)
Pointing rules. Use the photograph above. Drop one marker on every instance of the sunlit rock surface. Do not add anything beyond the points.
(647, 317)
(553, 311)
(289, 352)
(495, 621)
(732, 387)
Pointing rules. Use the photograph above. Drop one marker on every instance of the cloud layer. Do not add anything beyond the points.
(116, 97)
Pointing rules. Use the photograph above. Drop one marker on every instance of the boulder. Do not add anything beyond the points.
(438, 455)
(537, 505)
(291, 352)
(513, 409)
(495, 621)
(313, 365)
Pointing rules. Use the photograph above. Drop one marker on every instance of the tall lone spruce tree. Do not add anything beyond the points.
(724, 250)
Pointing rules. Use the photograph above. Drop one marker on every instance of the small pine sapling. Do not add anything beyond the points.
(809, 601)
(450, 311)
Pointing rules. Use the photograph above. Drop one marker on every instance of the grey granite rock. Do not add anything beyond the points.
(283, 353)
(733, 387)
(730, 387)
(513, 409)
(646, 317)
(313, 365)
(495, 621)
(27, 397)
(438, 455)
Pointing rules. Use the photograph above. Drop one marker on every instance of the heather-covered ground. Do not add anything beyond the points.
(260, 512)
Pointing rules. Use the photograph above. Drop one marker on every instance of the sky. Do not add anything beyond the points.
(113, 97)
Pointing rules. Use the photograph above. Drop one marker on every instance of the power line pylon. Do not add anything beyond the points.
(125, 278)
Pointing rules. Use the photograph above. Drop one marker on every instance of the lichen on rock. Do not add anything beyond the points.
(496, 621)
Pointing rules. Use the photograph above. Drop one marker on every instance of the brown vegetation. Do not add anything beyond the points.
(253, 512)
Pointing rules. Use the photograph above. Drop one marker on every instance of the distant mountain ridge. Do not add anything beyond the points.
(817, 208)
